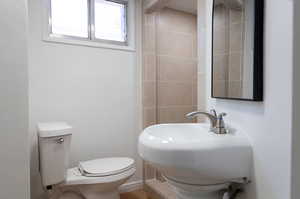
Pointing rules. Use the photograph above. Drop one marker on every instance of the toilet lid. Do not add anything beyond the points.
(105, 166)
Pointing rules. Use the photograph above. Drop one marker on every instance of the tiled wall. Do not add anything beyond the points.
(149, 70)
(149, 81)
(170, 66)
(176, 65)
(228, 52)
(169, 69)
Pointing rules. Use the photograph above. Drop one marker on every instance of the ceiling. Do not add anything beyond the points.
(189, 6)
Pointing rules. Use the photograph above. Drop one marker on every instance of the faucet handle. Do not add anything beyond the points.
(221, 115)
(214, 112)
(220, 125)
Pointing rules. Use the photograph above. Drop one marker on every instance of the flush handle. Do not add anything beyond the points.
(60, 140)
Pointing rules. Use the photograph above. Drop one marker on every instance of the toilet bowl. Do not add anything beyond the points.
(95, 185)
(93, 179)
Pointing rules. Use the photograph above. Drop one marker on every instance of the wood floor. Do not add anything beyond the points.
(140, 194)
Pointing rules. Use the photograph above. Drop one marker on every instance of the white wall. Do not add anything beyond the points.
(14, 154)
(296, 106)
(95, 90)
(268, 123)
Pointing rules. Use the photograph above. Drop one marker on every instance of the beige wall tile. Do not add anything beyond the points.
(149, 117)
(236, 16)
(220, 89)
(236, 37)
(149, 67)
(219, 17)
(247, 89)
(174, 94)
(176, 21)
(149, 19)
(235, 67)
(235, 89)
(174, 44)
(220, 44)
(176, 69)
(175, 114)
(220, 67)
(149, 39)
(149, 94)
(176, 59)
(149, 171)
(194, 93)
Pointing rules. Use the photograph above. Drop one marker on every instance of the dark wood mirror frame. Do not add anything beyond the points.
(258, 57)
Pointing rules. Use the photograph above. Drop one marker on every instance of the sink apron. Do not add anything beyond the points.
(187, 191)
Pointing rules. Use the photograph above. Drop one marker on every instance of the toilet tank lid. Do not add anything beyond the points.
(53, 129)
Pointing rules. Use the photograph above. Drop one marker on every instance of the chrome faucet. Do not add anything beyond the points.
(217, 124)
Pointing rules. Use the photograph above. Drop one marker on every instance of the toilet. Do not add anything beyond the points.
(93, 179)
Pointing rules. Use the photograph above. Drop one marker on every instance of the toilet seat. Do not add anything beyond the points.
(74, 177)
(105, 166)
(121, 169)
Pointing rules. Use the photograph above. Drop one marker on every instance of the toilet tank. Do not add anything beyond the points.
(54, 147)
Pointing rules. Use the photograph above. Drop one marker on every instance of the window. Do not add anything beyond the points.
(110, 20)
(91, 20)
(69, 21)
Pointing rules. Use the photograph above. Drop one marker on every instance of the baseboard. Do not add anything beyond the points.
(131, 186)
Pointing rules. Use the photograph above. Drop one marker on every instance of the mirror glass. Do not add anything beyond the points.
(237, 49)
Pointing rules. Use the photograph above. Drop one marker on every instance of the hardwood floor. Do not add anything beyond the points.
(139, 194)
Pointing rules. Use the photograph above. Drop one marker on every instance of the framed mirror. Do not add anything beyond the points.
(237, 49)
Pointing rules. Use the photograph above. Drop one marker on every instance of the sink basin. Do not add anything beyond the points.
(189, 154)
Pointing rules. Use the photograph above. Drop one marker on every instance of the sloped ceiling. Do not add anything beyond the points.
(189, 6)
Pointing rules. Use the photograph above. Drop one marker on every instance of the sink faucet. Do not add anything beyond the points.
(217, 124)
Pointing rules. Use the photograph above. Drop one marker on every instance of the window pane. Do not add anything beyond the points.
(70, 17)
(110, 20)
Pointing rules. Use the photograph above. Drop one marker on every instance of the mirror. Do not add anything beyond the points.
(237, 59)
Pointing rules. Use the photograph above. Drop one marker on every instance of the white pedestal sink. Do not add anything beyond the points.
(196, 162)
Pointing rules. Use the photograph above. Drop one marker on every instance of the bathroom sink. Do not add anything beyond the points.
(191, 154)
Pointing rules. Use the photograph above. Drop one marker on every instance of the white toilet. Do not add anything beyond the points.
(94, 179)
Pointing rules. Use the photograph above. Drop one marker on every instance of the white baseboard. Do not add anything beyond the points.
(131, 186)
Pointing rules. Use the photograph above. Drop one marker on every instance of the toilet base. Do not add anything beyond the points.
(100, 192)
(83, 192)
(81, 187)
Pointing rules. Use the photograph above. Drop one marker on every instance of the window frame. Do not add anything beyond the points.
(91, 27)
